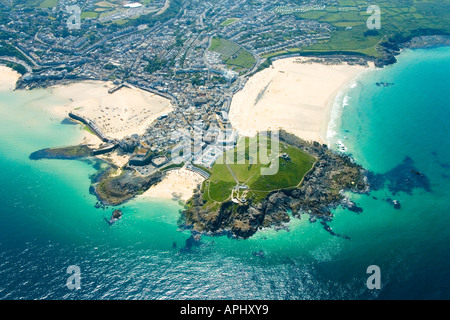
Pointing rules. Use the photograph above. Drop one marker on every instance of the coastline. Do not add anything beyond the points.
(91, 99)
(122, 113)
(125, 112)
(295, 94)
(332, 101)
(305, 262)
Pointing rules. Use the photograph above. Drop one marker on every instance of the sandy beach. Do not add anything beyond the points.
(122, 113)
(293, 94)
(8, 78)
(177, 184)
(125, 112)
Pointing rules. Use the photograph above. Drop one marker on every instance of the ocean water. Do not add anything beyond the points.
(48, 220)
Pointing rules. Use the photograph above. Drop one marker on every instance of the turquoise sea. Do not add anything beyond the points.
(48, 220)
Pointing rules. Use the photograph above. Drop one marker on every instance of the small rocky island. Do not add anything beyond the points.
(116, 215)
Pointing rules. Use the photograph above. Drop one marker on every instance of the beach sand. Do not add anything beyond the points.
(8, 78)
(122, 113)
(125, 112)
(177, 184)
(296, 97)
(115, 158)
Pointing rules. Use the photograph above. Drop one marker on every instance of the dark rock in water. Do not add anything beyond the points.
(403, 178)
(259, 253)
(99, 205)
(417, 172)
(116, 215)
(330, 230)
(68, 121)
(193, 240)
(74, 152)
(384, 84)
(395, 203)
(350, 205)
(376, 181)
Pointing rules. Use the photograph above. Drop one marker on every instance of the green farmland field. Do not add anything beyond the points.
(405, 18)
(233, 55)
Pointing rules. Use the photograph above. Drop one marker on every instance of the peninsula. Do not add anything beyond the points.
(310, 180)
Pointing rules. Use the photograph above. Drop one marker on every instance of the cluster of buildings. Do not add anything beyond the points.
(170, 56)
(265, 30)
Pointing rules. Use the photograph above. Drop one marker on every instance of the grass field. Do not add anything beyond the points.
(48, 4)
(398, 17)
(89, 14)
(105, 4)
(233, 55)
(229, 21)
(243, 168)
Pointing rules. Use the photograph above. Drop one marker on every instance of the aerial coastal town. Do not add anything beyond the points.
(197, 54)
(224, 149)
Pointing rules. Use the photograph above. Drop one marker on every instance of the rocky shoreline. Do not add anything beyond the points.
(317, 195)
(115, 190)
(392, 47)
(73, 152)
(321, 191)
(110, 188)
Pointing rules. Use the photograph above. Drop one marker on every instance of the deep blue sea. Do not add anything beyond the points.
(401, 133)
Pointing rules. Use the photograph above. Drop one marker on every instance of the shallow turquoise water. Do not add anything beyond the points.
(48, 218)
